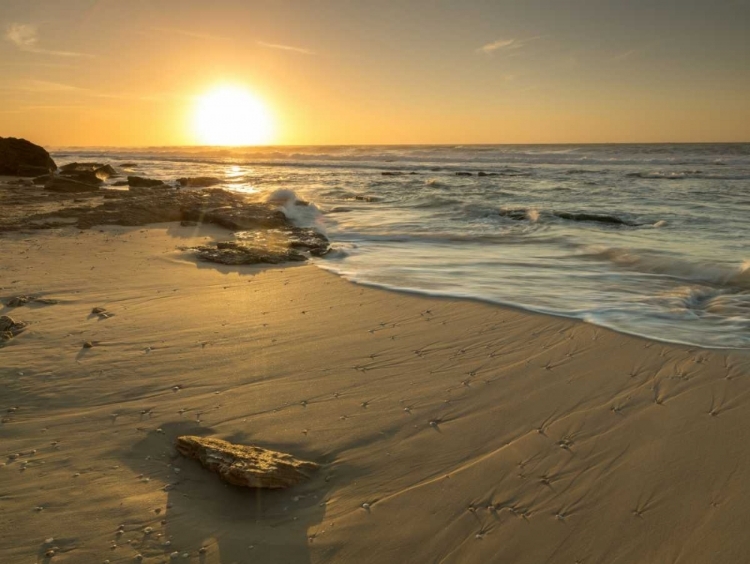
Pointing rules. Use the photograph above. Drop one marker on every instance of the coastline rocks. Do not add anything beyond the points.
(27, 171)
(198, 182)
(19, 157)
(68, 185)
(101, 171)
(9, 328)
(87, 177)
(596, 218)
(246, 466)
(272, 246)
(460, 173)
(19, 301)
(140, 182)
(235, 253)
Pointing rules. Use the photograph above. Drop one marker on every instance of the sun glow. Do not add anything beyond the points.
(230, 115)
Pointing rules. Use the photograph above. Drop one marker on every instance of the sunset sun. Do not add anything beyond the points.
(232, 116)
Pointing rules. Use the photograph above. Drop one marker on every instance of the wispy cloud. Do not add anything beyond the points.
(506, 45)
(43, 86)
(189, 33)
(626, 55)
(286, 48)
(26, 38)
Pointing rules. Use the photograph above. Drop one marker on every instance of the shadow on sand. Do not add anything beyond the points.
(233, 525)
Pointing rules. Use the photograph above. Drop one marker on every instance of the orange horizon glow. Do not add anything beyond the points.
(229, 73)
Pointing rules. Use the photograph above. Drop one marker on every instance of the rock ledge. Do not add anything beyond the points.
(247, 466)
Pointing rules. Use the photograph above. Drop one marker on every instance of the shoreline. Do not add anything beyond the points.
(471, 431)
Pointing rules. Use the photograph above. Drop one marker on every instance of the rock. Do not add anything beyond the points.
(85, 176)
(482, 173)
(464, 174)
(80, 167)
(596, 218)
(19, 301)
(392, 173)
(68, 185)
(9, 328)
(367, 198)
(120, 183)
(41, 180)
(28, 171)
(140, 182)
(17, 153)
(105, 172)
(186, 223)
(198, 182)
(236, 253)
(247, 466)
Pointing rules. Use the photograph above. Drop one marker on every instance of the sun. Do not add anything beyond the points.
(232, 116)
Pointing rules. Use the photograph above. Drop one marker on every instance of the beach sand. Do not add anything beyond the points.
(446, 430)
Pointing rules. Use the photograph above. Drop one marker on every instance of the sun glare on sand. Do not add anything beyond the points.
(232, 116)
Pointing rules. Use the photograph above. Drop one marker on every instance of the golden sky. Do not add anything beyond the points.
(116, 73)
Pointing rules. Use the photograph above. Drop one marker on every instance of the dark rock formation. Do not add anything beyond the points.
(140, 182)
(68, 185)
(236, 253)
(9, 328)
(19, 155)
(105, 172)
(85, 176)
(596, 218)
(41, 180)
(199, 182)
(28, 171)
(464, 174)
(274, 246)
(80, 167)
(19, 301)
(482, 173)
(246, 466)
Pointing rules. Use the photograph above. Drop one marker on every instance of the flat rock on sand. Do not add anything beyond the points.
(247, 466)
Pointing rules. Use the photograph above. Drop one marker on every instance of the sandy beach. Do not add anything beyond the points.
(447, 430)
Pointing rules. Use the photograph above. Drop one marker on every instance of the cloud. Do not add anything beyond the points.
(188, 33)
(506, 45)
(26, 37)
(286, 48)
(626, 55)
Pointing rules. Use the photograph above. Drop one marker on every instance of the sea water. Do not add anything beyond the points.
(644, 239)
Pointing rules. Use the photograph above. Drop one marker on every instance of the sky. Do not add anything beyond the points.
(117, 73)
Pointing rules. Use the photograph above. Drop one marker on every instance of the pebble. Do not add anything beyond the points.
(366, 506)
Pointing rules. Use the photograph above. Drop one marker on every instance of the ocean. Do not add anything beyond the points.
(644, 239)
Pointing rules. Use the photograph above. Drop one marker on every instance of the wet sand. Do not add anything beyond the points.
(446, 430)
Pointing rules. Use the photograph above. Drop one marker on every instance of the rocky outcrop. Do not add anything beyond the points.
(198, 182)
(9, 328)
(85, 176)
(68, 185)
(19, 301)
(246, 466)
(237, 253)
(19, 157)
(140, 182)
